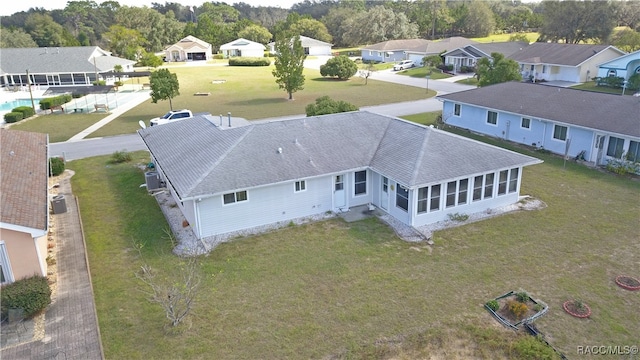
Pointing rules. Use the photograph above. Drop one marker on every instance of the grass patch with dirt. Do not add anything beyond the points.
(337, 289)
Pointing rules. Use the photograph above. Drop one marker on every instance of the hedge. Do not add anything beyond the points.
(13, 117)
(30, 294)
(57, 166)
(27, 111)
(249, 61)
(48, 103)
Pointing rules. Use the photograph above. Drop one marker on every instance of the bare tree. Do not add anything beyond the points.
(176, 294)
(366, 73)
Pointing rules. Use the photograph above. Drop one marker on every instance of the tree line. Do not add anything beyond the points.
(133, 32)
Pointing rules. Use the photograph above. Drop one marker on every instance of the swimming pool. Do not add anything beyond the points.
(9, 105)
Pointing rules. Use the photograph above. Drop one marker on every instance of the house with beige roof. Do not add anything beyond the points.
(189, 48)
(411, 49)
(469, 55)
(572, 63)
(24, 205)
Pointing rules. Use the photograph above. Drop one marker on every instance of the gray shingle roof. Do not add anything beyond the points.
(421, 45)
(23, 179)
(557, 54)
(200, 159)
(58, 60)
(606, 112)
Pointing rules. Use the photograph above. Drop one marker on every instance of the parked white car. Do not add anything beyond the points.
(404, 64)
(171, 116)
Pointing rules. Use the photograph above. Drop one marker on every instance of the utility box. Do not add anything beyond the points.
(59, 204)
(152, 180)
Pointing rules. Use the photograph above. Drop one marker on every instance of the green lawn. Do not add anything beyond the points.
(60, 127)
(251, 93)
(332, 288)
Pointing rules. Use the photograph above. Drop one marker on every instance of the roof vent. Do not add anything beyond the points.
(279, 150)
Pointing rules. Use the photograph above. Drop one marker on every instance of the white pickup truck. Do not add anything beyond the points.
(171, 116)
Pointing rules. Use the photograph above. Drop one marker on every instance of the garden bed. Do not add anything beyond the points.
(515, 308)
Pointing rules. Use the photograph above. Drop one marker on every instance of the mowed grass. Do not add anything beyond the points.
(251, 93)
(60, 127)
(331, 287)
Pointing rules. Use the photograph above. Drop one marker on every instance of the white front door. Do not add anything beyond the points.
(339, 194)
(598, 149)
(384, 194)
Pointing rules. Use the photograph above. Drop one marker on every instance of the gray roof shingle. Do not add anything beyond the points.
(23, 179)
(557, 54)
(200, 159)
(58, 60)
(606, 112)
(421, 45)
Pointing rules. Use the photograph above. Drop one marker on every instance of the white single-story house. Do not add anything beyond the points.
(574, 63)
(469, 55)
(411, 49)
(562, 120)
(60, 66)
(189, 48)
(624, 66)
(227, 179)
(311, 47)
(242, 48)
(24, 205)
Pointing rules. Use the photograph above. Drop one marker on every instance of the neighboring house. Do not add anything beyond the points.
(573, 63)
(470, 54)
(24, 206)
(561, 120)
(411, 49)
(60, 66)
(189, 48)
(311, 46)
(624, 66)
(226, 179)
(242, 48)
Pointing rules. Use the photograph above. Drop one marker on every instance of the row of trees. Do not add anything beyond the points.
(131, 31)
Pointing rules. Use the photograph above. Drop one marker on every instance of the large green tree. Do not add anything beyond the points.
(44, 31)
(15, 38)
(626, 40)
(158, 30)
(124, 42)
(311, 28)
(289, 63)
(256, 33)
(573, 22)
(378, 24)
(496, 70)
(164, 86)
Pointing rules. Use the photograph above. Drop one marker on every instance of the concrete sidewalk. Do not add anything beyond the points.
(70, 323)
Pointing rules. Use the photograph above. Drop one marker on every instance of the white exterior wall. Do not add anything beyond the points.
(266, 205)
(319, 50)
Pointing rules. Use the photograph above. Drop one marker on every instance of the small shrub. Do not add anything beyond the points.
(51, 260)
(623, 166)
(13, 117)
(458, 217)
(493, 305)
(30, 294)
(522, 296)
(56, 166)
(538, 307)
(27, 111)
(326, 105)
(99, 83)
(517, 308)
(218, 56)
(119, 157)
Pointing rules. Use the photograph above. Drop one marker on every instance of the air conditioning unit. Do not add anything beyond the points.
(152, 180)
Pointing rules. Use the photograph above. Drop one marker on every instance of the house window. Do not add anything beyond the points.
(544, 69)
(492, 117)
(462, 191)
(488, 186)
(634, 151)
(402, 198)
(451, 193)
(435, 198)
(300, 186)
(360, 185)
(615, 147)
(513, 180)
(422, 199)
(612, 73)
(234, 197)
(560, 132)
(456, 109)
(502, 182)
(370, 53)
(6, 275)
(339, 185)
(477, 188)
(526, 123)
(387, 54)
